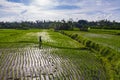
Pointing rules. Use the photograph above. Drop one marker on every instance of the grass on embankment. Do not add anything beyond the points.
(112, 41)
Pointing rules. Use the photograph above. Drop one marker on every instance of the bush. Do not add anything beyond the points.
(92, 44)
(74, 36)
(104, 51)
(88, 42)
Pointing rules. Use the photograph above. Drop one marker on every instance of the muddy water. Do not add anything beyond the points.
(34, 64)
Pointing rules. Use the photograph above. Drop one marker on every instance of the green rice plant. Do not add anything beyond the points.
(105, 31)
(14, 38)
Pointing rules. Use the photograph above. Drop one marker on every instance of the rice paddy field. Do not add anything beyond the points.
(109, 38)
(57, 57)
(105, 43)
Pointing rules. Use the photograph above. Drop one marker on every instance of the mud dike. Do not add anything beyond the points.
(34, 64)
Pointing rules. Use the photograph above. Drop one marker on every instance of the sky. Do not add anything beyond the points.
(32, 10)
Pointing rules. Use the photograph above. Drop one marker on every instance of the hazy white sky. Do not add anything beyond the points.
(31, 10)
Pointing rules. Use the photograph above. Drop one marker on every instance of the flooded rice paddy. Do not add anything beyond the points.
(32, 63)
(42, 63)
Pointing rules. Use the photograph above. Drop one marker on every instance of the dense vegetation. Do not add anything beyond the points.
(24, 25)
(62, 25)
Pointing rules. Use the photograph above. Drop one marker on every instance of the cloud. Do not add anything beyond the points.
(62, 7)
(26, 2)
(44, 4)
(18, 10)
(23, 11)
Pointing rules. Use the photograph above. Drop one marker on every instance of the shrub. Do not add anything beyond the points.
(104, 51)
(88, 42)
(92, 44)
(74, 36)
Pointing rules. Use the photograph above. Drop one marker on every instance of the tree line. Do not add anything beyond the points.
(25, 25)
(83, 25)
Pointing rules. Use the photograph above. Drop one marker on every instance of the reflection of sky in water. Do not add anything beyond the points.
(33, 62)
